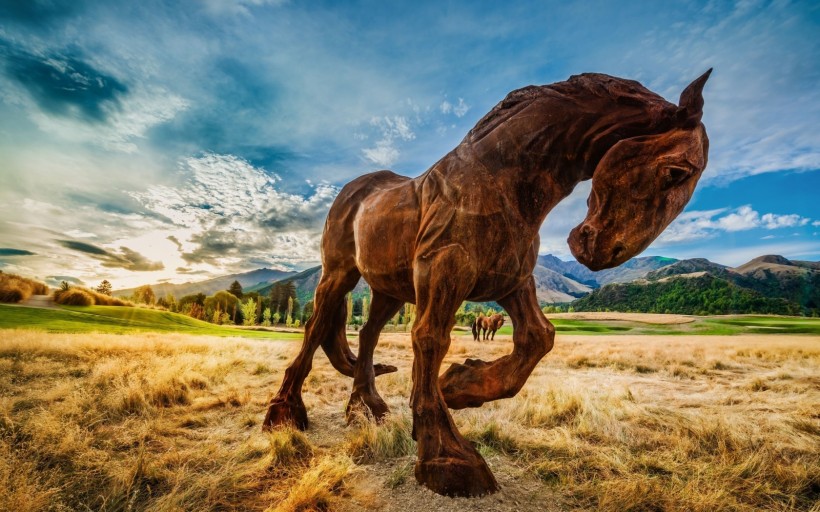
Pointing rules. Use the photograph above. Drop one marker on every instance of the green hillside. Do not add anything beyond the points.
(702, 295)
(119, 320)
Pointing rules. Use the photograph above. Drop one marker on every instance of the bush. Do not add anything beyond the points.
(74, 297)
(14, 288)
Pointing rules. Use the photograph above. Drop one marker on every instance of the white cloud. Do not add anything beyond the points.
(139, 111)
(237, 7)
(392, 129)
(228, 212)
(696, 225)
(459, 109)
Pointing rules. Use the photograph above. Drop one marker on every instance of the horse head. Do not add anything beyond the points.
(641, 184)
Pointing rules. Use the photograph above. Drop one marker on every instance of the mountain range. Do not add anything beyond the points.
(211, 286)
(768, 283)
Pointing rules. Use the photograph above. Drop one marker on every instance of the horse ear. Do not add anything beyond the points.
(690, 105)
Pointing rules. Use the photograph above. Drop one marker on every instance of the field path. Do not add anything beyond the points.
(39, 301)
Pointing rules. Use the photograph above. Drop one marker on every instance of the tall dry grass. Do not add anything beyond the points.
(165, 422)
(77, 296)
(14, 288)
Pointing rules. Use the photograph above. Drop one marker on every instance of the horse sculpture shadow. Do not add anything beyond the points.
(487, 324)
(444, 237)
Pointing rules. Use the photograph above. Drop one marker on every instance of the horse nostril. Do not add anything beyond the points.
(618, 250)
(587, 231)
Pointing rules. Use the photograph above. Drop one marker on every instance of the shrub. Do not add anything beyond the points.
(14, 288)
(74, 297)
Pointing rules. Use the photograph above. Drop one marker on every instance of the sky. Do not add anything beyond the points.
(145, 142)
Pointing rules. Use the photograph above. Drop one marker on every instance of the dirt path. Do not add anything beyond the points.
(39, 301)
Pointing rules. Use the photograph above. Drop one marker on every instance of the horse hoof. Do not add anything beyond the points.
(381, 369)
(456, 477)
(368, 406)
(282, 412)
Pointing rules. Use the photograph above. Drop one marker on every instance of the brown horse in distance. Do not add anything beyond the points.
(445, 237)
(483, 324)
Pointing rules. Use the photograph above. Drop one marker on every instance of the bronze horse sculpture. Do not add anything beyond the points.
(484, 324)
(444, 237)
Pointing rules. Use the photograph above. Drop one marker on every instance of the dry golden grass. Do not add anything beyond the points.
(171, 422)
(14, 288)
(76, 296)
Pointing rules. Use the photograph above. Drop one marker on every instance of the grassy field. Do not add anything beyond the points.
(162, 421)
(708, 326)
(119, 320)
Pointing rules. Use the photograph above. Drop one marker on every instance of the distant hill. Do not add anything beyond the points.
(306, 282)
(768, 284)
(211, 286)
(552, 287)
(697, 295)
(635, 268)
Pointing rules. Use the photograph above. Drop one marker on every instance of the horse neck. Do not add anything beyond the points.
(539, 166)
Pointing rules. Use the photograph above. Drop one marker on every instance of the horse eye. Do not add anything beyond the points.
(674, 175)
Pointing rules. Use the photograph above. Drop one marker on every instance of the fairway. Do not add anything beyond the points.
(121, 320)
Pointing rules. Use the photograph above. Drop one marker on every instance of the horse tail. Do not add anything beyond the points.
(475, 329)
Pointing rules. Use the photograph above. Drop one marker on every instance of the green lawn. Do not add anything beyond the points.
(119, 320)
(702, 325)
(114, 319)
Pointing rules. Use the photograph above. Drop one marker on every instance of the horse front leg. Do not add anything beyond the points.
(447, 463)
(475, 382)
(364, 393)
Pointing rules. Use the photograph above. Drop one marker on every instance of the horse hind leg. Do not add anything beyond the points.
(325, 327)
(364, 397)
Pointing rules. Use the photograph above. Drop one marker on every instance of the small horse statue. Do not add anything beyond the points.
(445, 237)
(483, 324)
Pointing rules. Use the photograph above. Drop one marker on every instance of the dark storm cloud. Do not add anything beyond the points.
(64, 85)
(6, 251)
(127, 259)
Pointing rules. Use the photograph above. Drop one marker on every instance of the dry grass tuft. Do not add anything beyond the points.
(14, 288)
(319, 486)
(372, 442)
(288, 446)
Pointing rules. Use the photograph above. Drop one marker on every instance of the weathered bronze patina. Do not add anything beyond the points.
(467, 229)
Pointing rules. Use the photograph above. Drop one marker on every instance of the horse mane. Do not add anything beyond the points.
(593, 110)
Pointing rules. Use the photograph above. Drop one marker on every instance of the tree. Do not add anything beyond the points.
(172, 303)
(365, 309)
(276, 317)
(409, 315)
(266, 317)
(307, 311)
(349, 308)
(249, 312)
(236, 289)
(289, 317)
(104, 287)
(145, 295)
(225, 302)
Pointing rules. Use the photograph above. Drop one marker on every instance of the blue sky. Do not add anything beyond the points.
(149, 141)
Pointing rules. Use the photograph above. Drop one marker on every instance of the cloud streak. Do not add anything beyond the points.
(125, 258)
(695, 225)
